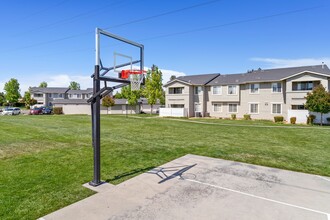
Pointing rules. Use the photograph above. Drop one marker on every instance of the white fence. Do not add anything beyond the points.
(173, 112)
(302, 115)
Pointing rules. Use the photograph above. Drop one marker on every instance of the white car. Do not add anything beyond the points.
(11, 111)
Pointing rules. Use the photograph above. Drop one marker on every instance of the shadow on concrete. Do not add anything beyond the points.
(162, 171)
(129, 173)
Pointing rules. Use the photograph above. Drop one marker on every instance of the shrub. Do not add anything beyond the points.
(58, 110)
(233, 116)
(293, 120)
(278, 119)
(310, 119)
(247, 117)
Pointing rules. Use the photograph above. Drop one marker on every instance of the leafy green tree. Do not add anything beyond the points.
(43, 84)
(153, 89)
(318, 101)
(28, 101)
(2, 98)
(131, 96)
(12, 91)
(74, 85)
(108, 101)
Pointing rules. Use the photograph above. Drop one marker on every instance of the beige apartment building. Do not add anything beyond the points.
(262, 94)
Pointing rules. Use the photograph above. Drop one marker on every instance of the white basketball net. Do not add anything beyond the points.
(136, 80)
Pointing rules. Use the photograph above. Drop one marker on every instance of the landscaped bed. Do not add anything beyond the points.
(45, 160)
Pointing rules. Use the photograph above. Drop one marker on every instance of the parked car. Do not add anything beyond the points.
(47, 110)
(11, 111)
(36, 111)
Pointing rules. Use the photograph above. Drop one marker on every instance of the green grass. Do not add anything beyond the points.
(45, 159)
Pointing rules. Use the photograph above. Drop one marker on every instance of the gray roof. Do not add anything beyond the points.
(228, 79)
(81, 91)
(70, 101)
(196, 79)
(268, 75)
(49, 89)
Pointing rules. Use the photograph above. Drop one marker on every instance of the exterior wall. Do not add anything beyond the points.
(180, 99)
(265, 99)
(73, 109)
(69, 109)
(224, 99)
(147, 108)
(298, 97)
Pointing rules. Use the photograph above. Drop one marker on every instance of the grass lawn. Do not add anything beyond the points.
(44, 160)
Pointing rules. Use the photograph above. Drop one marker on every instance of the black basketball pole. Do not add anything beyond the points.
(96, 138)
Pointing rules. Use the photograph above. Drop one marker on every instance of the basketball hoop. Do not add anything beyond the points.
(135, 77)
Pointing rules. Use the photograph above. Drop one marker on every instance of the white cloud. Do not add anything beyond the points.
(168, 73)
(63, 80)
(281, 63)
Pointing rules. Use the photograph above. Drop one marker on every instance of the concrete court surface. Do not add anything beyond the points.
(196, 187)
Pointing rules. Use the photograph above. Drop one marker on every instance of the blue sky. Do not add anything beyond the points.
(53, 41)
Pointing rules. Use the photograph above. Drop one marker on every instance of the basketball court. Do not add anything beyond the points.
(197, 187)
(190, 187)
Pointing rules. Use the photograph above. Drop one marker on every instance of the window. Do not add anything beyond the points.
(198, 90)
(298, 107)
(197, 107)
(217, 107)
(60, 95)
(78, 96)
(254, 88)
(276, 108)
(70, 95)
(232, 108)
(254, 108)
(49, 95)
(177, 106)
(301, 86)
(276, 87)
(216, 90)
(175, 90)
(232, 90)
(37, 95)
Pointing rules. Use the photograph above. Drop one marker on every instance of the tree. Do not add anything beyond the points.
(153, 89)
(2, 98)
(28, 101)
(108, 101)
(131, 96)
(74, 85)
(12, 91)
(173, 77)
(43, 84)
(318, 101)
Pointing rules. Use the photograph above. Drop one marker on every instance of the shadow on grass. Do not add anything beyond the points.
(129, 173)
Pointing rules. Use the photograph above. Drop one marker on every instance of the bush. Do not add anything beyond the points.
(58, 110)
(233, 116)
(247, 117)
(310, 119)
(293, 120)
(278, 119)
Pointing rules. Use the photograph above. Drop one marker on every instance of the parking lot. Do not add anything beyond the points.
(196, 187)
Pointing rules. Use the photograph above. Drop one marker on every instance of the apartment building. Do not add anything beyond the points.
(261, 93)
(52, 95)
